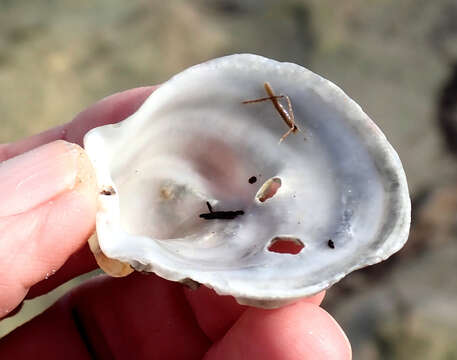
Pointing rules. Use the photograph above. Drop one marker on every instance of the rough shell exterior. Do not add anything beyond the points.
(342, 194)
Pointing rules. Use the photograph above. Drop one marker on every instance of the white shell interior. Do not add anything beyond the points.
(193, 141)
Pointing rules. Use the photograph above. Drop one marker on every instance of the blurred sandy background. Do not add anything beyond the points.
(394, 58)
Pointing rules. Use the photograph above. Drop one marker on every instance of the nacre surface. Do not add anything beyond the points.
(194, 141)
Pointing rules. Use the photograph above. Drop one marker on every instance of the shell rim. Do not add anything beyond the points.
(385, 154)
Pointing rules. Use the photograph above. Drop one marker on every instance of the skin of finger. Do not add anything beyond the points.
(216, 314)
(299, 331)
(14, 311)
(37, 176)
(137, 317)
(34, 244)
(78, 263)
(109, 110)
(46, 337)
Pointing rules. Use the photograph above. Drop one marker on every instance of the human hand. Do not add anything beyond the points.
(47, 213)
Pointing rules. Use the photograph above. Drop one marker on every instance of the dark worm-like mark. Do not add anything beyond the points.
(222, 215)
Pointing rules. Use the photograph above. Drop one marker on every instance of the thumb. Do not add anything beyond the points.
(47, 212)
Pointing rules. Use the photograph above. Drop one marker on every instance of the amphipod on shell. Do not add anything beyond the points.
(183, 201)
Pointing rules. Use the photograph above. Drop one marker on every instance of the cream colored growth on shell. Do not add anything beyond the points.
(194, 141)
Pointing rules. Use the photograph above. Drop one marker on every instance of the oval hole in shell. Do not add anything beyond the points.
(286, 245)
(268, 189)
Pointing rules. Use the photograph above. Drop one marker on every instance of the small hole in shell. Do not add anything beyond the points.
(268, 189)
(286, 245)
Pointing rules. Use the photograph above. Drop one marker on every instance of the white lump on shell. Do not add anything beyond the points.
(193, 141)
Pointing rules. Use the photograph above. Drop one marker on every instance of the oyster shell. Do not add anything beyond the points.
(336, 188)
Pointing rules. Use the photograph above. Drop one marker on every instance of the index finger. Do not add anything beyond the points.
(109, 110)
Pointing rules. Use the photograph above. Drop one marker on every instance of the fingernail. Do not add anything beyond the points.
(37, 176)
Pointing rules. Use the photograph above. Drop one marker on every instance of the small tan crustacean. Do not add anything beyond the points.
(286, 115)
